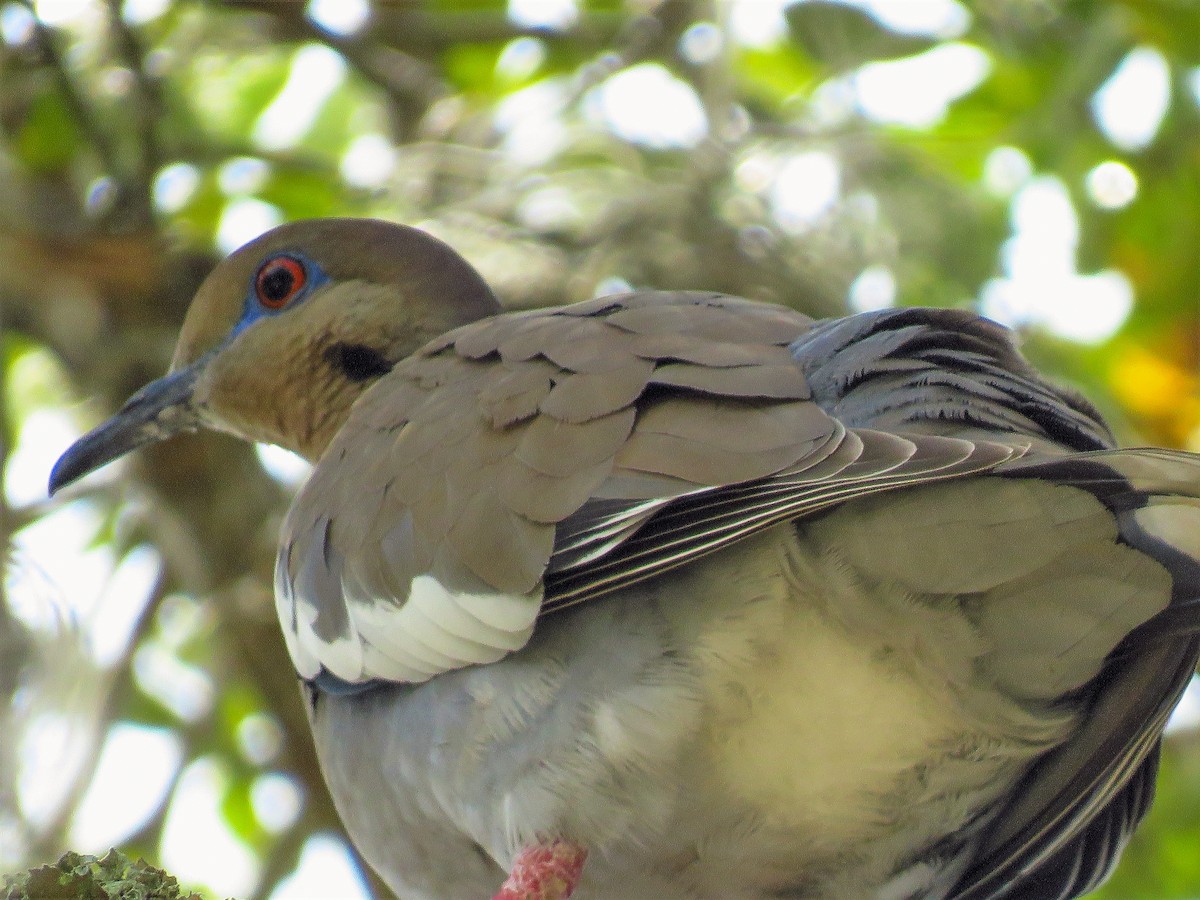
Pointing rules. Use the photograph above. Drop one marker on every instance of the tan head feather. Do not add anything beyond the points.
(377, 292)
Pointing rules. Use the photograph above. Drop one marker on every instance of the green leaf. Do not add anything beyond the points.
(48, 140)
(774, 76)
(238, 812)
(230, 91)
(472, 67)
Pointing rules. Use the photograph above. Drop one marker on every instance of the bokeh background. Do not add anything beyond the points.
(1037, 161)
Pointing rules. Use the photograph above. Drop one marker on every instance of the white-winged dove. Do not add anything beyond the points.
(727, 602)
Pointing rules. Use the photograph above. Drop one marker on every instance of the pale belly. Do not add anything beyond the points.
(701, 742)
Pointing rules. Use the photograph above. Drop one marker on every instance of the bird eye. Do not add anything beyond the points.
(279, 281)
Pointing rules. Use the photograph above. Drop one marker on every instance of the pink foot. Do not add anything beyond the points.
(544, 872)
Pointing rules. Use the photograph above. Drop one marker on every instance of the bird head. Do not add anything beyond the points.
(287, 332)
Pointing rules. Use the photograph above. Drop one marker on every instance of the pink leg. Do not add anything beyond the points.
(544, 872)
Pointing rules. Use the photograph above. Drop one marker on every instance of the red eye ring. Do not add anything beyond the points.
(279, 281)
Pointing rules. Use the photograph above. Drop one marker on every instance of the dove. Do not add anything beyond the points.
(669, 594)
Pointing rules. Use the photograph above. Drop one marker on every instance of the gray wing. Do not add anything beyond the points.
(1062, 830)
(930, 395)
(907, 383)
(946, 371)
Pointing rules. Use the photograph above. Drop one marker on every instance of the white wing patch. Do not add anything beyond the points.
(335, 619)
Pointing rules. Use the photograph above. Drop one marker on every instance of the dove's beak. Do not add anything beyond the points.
(159, 410)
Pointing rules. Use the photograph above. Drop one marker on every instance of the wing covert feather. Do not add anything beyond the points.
(443, 492)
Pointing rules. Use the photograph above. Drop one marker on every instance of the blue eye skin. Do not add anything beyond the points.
(280, 282)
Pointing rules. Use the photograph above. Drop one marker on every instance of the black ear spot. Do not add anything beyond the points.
(358, 362)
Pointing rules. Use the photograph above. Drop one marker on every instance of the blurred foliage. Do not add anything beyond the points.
(137, 137)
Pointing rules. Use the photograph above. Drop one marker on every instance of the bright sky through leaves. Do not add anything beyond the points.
(917, 91)
(243, 220)
(325, 870)
(343, 17)
(556, 15)
(122, 796)
(1130, 106)
(646, 104)
(196, 834)
(316, 73)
